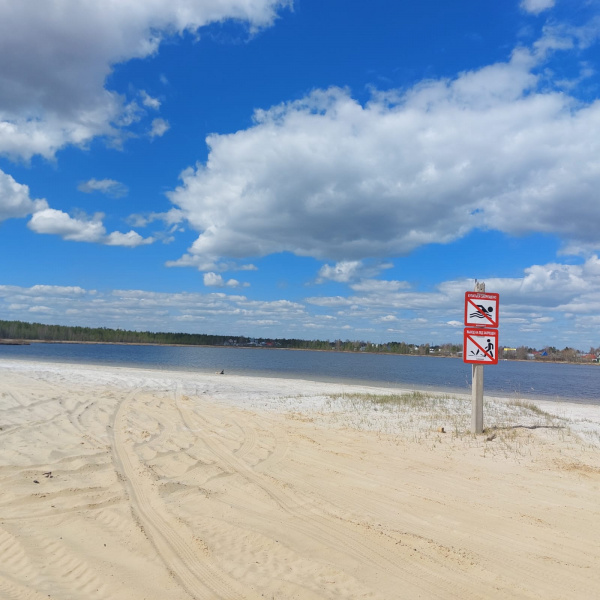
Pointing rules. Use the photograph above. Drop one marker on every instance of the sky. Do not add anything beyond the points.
(315, 169)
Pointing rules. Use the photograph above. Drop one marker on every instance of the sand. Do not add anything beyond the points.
(138, 484)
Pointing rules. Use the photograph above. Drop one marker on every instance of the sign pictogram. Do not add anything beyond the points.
(481, 309)
(480, 346)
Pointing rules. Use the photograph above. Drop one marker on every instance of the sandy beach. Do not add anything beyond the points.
(123, 483)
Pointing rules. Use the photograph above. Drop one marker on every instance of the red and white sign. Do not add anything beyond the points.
(481, 309)
(480, 346)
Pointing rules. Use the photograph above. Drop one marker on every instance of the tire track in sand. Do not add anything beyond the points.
(302, 515)
(174, 542)
(12, 590)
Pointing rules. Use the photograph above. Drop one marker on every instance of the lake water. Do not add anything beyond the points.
(575, 383)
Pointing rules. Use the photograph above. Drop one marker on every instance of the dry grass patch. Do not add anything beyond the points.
(530, 407)
(510, 426)
(414, 399)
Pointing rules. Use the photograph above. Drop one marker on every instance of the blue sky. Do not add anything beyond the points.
(312, 169)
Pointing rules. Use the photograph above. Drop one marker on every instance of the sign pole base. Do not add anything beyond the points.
(477, 400)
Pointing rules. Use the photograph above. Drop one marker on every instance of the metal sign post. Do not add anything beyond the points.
(480, 346)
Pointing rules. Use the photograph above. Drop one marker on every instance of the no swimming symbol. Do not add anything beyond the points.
(482, 312)
(481, 309)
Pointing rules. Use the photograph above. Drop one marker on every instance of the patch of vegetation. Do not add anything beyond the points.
(530, 407)
(425, 417)
(414, 399)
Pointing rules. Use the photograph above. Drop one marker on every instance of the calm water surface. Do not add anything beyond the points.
(575, 383)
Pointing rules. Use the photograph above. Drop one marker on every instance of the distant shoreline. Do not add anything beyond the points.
(233, 347)
(8, 342)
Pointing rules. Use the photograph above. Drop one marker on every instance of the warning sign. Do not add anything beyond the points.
(481, 309)
(480, 346)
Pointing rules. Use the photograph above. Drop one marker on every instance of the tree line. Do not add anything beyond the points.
(552, 354)
(21, 330)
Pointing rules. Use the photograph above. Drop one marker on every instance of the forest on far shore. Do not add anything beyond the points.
(20, 330)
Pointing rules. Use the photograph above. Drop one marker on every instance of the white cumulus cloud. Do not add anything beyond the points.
(15, 201)
(131, 239)
(215, 280)
(82, 229)
(329, 177)
(57, 222)
(55, 57)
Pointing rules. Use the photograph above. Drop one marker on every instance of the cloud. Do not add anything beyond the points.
(328, 177)
(549, 293)
(45, 299)
(349, 270)
(148, 101)
(57, 222)
(44, 290)
(131, 239)
(55, 57)
(342, 271)
(548, 304)
(210, 263)
(15, 201)
(110, 187)
(388, 319)
(536, 6)
(214, 280)
(215, 312)
(46, 310)
(171, 217)
(379, 286)
(60, 290)
(82, 229)
(159, 128)
(552, 284)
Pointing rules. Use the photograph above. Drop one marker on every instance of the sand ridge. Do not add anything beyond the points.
(131, 483)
